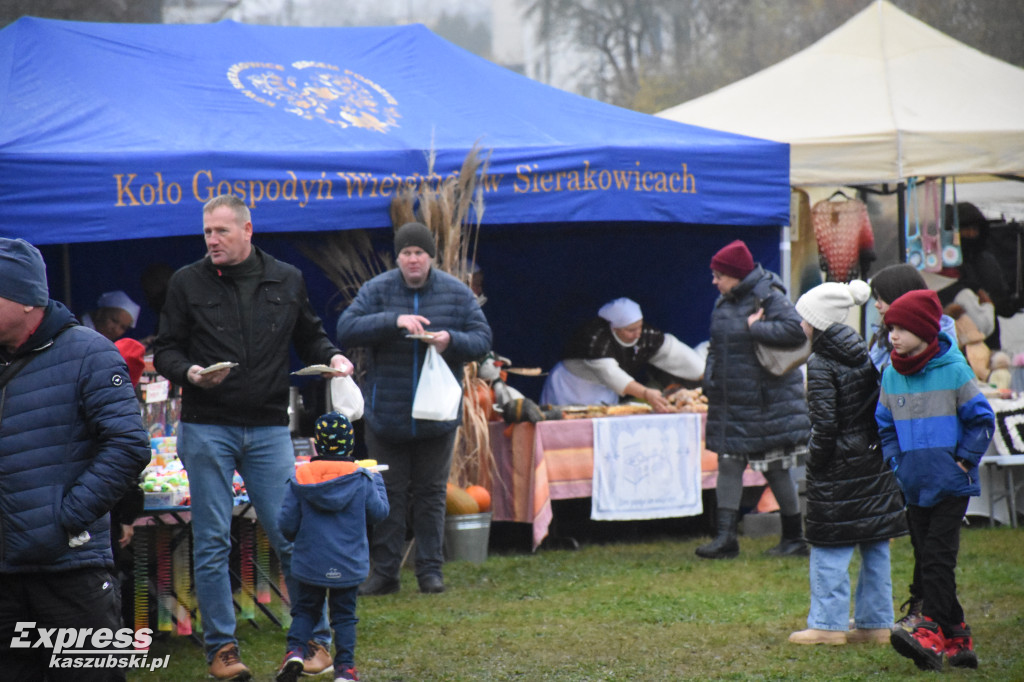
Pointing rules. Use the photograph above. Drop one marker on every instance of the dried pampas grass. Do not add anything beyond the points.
(348, 259)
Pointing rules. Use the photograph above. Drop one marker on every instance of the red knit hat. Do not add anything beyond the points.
(918, 312)
(733, 260)
(133, 353)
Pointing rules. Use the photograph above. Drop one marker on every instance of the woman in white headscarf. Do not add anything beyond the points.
(605, 355)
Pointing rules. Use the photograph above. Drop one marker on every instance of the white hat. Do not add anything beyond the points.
(830, 303)
(621, 312)
(119, 299)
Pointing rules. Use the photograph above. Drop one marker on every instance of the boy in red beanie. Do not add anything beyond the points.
(928, 397)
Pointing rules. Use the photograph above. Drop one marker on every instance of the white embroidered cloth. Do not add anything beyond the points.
(646, 467)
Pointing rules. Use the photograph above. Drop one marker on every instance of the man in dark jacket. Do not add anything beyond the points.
(71, 443)
(237, 305)
(433, 308)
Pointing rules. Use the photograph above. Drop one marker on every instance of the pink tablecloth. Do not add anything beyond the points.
(537, 463)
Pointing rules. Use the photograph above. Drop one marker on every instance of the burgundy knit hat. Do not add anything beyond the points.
(918, 312)
(733, 260)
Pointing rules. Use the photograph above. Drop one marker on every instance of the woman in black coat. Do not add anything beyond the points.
(853, 501)
(754, 417)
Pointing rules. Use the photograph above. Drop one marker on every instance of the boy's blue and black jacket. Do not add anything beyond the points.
(325, 512)
(929, 420)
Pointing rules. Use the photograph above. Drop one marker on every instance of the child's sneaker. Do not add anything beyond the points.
(291, 667)
(960, 648)
(913, 618)
(346, 674)
(925, 645)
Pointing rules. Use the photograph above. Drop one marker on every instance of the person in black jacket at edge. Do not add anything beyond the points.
(238, 305)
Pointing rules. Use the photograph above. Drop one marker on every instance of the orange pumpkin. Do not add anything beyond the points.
(482, 497)
(458, 501)
(484, 398)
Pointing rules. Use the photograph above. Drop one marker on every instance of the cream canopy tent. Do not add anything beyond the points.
(882, 98)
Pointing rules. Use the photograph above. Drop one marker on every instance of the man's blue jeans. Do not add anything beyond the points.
(830, 587)
(264, 457)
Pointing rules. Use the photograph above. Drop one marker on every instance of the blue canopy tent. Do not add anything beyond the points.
(113, 135)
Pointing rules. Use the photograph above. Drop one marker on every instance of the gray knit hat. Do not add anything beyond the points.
(22, 273)
(414, 234)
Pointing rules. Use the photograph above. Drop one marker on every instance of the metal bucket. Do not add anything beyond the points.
(466, 537)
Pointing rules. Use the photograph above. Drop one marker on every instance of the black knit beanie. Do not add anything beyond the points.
(414, 234)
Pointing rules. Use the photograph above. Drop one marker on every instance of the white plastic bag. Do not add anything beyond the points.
(346, 397)
(438, 395)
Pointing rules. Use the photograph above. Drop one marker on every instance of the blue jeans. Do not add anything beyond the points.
(417, 476)
(211, 453)
(830, 587)
(308, 602)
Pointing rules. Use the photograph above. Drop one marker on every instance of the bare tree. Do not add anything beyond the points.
(651, 54)
(627, 37)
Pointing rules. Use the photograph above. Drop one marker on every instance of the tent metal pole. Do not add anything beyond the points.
(901, 214)
(786, 265)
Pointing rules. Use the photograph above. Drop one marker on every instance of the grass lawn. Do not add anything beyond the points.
(648, 610)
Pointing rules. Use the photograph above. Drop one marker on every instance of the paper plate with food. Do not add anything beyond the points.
(318, 369)
(217, 366)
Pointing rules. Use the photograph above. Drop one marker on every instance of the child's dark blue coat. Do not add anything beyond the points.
(325, 513)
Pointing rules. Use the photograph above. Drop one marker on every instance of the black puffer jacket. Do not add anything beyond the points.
(852, 495)
(751, 411)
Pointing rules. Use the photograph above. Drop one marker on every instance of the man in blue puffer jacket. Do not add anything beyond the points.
(71, 444)
(437, 309)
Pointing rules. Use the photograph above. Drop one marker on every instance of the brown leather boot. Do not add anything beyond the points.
(227, 665)
(318, 659)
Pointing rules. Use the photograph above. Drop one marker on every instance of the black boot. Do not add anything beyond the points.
(725, 545)
(792, 542)
(913, 608)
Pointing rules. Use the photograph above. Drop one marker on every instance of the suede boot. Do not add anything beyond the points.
(725, 545)
(792, 542)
